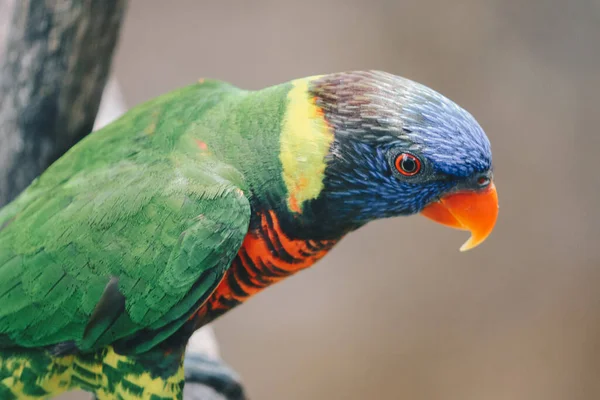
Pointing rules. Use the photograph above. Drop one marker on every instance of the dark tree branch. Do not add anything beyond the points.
(56, 62)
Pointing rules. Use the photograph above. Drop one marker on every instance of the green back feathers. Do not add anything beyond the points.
(131, 230)
(123, 203)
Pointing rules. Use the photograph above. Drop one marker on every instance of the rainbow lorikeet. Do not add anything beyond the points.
(192, 202)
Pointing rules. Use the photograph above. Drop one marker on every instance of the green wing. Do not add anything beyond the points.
(122, 251)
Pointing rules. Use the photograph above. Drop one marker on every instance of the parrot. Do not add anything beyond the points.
(194, 201)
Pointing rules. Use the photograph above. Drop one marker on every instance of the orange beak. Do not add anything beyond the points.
(474, 211)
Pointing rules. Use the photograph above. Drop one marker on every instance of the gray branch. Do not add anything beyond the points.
(56, 62)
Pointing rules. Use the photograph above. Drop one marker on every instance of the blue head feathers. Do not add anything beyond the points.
(444, 131)
(398, 146)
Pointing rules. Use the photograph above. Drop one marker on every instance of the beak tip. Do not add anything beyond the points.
(468, 245)
(473, 211)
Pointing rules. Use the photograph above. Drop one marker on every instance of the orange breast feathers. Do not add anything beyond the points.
(267, 256)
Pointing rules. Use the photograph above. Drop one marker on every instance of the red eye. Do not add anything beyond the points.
(407, 164)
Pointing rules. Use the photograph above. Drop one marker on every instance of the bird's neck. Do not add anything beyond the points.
(281, 147)
(285, 170)
(278, 138)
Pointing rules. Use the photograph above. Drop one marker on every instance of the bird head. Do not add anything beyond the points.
(399, 148)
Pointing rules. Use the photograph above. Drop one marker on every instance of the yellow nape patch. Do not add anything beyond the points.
(305, 141)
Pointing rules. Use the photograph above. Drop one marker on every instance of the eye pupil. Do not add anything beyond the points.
(407, 164)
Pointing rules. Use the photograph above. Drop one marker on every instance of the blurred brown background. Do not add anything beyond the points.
(395, 311)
